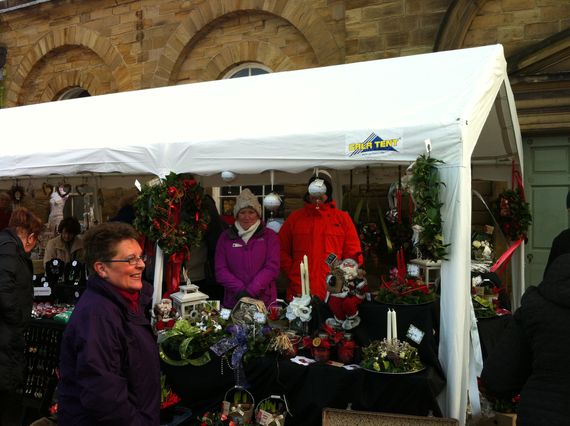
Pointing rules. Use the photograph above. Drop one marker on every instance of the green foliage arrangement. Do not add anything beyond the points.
(187, 344)
(391, 356)
(170, 212)
(426, 185)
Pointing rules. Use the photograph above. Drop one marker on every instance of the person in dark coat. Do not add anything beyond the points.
(16, 298)
(561, 243)
(109, 362)
(532, 356)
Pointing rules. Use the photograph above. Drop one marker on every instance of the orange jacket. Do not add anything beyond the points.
(316, 233)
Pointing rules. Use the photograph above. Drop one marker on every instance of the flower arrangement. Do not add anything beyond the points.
(167, 397)
(482, 249)
(404, 290)
(170, 213)
(212, 418)
(513, 214)
(427, 216)
(391, 356)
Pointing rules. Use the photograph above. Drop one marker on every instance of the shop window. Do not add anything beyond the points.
(228, 196)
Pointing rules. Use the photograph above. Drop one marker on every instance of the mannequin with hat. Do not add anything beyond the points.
(561, 243)
(247, 255)
(316, 230)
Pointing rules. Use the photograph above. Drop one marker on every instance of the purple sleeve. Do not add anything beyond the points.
(223, 273)
(270, 270)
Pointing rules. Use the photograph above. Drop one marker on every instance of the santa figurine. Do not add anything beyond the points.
(165, 315)
(346, 288)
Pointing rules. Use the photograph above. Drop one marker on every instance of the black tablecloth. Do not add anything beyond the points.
(490, 331)
(309, 389)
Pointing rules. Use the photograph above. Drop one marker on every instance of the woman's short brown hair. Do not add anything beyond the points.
(100, 242)
(24, 220)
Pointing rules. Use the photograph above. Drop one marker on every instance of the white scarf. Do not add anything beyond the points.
(246, 234)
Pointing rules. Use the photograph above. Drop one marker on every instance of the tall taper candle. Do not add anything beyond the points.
(307, 280)
(394, 326)
(303, 289)
(388, 325)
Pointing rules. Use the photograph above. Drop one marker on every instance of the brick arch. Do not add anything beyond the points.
(78, 36)
(296, 12)
(66, 80)
(246, 51)
(456, 24)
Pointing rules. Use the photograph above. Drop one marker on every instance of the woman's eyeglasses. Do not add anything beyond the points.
(131, 260)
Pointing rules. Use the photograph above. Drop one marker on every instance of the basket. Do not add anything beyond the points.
(238, 405)
(276, 314)
(271, 411)
(245, 310)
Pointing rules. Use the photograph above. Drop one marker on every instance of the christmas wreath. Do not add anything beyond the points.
(513, 214)
(171, 213)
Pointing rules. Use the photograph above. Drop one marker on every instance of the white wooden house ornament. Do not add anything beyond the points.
(189, 302)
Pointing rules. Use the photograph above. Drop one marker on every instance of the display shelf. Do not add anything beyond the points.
(43, 339)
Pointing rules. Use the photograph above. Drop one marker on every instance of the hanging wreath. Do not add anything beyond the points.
(426, 218)
(513, 214)
(171, 213)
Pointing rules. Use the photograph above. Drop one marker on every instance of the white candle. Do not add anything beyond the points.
(388, 326)
(307, 281)
(394, 326)
(302, 266)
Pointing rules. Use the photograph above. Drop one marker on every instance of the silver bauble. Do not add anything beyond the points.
(272, 201)
(228, 176)
(317, 188)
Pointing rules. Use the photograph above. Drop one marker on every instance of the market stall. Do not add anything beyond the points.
(377, 114)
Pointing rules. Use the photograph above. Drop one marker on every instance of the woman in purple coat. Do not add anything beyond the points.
(247, 255)
(109, 362)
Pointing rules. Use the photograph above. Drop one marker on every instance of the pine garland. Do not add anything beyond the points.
(426, 185)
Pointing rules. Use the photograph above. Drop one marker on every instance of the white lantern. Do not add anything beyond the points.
(189, 302)
(228, 176)
(272, 201)
(317, 188)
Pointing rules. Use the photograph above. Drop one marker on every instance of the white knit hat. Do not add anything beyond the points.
(247, 199)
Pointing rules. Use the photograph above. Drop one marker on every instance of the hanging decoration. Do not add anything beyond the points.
(512, 213)
(427, 215)
(228, 176)
(171, 214)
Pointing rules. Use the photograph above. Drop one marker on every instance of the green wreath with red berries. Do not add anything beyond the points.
(172, 214)
(512, 213)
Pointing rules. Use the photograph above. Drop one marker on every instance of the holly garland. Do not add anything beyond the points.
(171, 213)
(426, 185)
(512, 213)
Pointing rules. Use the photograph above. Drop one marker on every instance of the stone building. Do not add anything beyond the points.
(60, 49)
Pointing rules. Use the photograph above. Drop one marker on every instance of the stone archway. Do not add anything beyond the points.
(77, 36)
(306, 20)
(456, 24)
(246, 51)
(69, 79)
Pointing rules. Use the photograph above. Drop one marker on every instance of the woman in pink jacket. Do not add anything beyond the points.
(247, 255)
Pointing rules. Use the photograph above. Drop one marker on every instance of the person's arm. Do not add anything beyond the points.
(270, 270)
(285, 248)
(9, 307)
(352, 248)
(100, 360)
(223, 273)
(509, 364)
(50, 252)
